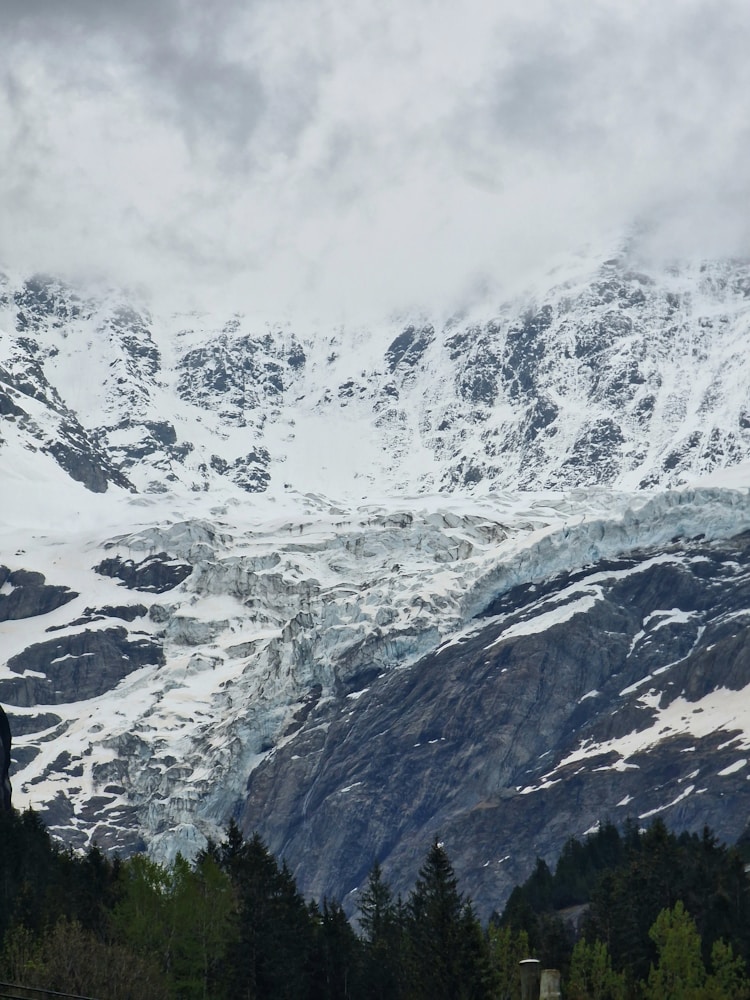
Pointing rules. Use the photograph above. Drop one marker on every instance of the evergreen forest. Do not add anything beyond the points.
(626, 914)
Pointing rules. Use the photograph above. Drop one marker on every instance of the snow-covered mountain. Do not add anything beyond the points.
(613, 376)
(482, 576)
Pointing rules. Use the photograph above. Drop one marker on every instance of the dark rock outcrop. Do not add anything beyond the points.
(408, 348)
(29, 595)
(4, 761)
(76, 667)
(125, 612)
(153, 575)
(237, 374)
(84, 461)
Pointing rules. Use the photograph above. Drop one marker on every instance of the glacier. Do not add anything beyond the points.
(255, 527)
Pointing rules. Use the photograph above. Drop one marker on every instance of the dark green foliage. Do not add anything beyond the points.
(580, 865)
(276, 933)
(655, 873)
(447, 956)
(38, 879)
(575, 876)
(382, 922)
(661, 916)
(531, 908)
(623, 882)
(335, 969)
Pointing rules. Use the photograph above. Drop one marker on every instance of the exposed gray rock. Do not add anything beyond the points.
(26, 595)
(409, 347)
(124, 612)
(8, 408)
(44, 298)
(155, 574)
(21, 725)
(84, 461)
(240, 373)
(77, 667)
(470, 744)
(5, 742)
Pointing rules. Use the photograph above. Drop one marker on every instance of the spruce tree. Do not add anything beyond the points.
(591, 975)
(275, 929)
(334, 970)
(728, 980)
(446, 949)
(679, 973)
(382, 935)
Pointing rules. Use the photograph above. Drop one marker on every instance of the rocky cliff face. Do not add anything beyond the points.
(504, 628)
(5, 742)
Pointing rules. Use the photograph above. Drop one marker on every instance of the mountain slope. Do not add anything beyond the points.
(358, 588)
(621, 692)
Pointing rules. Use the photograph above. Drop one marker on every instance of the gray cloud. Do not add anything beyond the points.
(173, 52)
(310, 156)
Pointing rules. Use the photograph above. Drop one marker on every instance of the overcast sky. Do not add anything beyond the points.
(344, 158)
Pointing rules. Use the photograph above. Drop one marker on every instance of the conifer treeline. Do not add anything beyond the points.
(627, 879)
(659, 916)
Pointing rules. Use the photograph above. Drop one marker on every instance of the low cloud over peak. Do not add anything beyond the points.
(348, 161)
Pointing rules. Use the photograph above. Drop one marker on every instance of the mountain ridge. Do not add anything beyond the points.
(622, 378)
